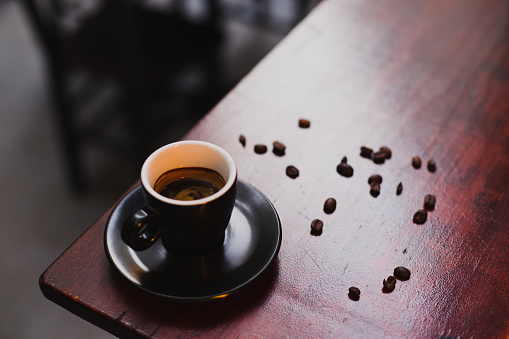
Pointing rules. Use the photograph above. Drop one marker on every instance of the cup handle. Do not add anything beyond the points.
(142, 229)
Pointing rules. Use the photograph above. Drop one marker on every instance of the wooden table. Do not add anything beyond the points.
(426, 78)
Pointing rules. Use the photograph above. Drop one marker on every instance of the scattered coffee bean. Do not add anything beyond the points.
(292, 172)
(354, 293)
(344, 170)
(344, 160)
(420, 217)
(375, 178)
(242, 140)
(387, 151)
(279, 148)
(429, 202)
(316, 227)
(389, 283)
(304, 123)
(260, 149)
(329, 206)
(432, 166)
(404, 251)
(402, 273)
(416, 162)
(366, 152)
(378, 157)
(374, 189)
(399, 189)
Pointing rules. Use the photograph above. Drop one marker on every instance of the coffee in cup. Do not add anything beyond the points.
(189, 183)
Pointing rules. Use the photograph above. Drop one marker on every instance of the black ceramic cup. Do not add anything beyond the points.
(189, 227)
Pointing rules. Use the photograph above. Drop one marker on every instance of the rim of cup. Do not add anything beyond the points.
(148, 177)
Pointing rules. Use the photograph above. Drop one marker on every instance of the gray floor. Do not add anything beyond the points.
(39, 215)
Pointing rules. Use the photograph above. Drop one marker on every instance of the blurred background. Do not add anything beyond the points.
(88, 88)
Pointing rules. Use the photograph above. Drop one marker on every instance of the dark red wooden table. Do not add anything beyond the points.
(426, 78)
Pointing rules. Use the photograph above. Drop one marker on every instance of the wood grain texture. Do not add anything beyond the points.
(425, 78)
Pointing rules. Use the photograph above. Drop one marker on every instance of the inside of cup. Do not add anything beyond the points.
(187, 154)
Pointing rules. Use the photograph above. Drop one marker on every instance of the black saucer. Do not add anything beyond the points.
(251, 244)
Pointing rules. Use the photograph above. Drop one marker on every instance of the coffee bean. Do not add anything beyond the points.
(316, 227)
(344, 160)
(292, 172)
(345, 170)
(402, 273)
(374, 189)
(260, 149)
(375, 178)
(329, 206)
(429, 202)
(389, 284)
(378, 157)
(242, 140)
(432, 166)
(366, 152)
(420, 217)
(387, 151)
(399, 189)
(279, 148)
(354, 293)
(354, 290)
(304, 123)
(416, 162)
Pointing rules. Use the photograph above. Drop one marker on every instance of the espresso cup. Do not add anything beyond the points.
(189, 189)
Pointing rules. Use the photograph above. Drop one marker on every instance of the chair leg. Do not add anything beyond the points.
(63, 115)
(68, 134)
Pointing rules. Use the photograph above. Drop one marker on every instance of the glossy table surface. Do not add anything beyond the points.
(425, 78)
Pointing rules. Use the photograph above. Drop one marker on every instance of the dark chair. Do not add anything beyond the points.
(139, 47)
